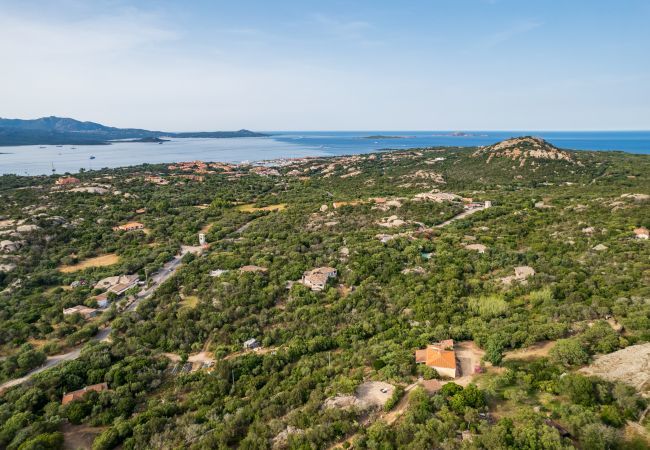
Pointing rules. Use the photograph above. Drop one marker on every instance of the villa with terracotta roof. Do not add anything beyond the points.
(129, 226)
(440, 356)
(64, 181)
(78, 395)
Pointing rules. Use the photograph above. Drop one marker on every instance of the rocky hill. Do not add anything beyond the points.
(524, 148)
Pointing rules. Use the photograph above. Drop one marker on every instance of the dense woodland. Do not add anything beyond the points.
(573, 221)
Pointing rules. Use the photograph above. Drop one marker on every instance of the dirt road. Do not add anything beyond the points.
(459, 216)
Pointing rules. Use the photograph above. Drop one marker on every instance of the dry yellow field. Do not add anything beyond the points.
(98, 261)
(190, 301)
(349, 203)
(251, 207)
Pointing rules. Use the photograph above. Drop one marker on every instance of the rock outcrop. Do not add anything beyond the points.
(524, 148)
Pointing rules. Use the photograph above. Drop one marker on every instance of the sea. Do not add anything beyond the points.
(48, 159)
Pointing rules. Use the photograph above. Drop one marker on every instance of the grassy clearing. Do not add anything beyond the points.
(250, 207)
(98, 261)
(190, 301)
(538, 350)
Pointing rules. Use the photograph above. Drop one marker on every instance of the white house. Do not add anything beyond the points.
(316, 279)
(252, 343)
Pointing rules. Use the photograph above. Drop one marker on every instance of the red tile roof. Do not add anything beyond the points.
(77, 395)
(437, 355)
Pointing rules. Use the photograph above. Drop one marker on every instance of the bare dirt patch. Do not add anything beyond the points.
(368, 395)
(469, 356)
(79, 436)
(374, 393)
(98, 261)
(630, 365)
(537, 350)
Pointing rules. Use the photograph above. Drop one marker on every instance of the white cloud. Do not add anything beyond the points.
(355, 31)
(507, 34)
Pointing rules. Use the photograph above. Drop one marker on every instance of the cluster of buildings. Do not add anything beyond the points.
(117, 285)
(190, 166)
(201, 167)
(265, 171)
(156, 180)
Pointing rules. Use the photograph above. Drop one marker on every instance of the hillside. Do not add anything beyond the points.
(60, 130)
(522, 149)
(299, 321)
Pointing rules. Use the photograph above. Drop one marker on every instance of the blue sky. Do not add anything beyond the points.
(316, 65)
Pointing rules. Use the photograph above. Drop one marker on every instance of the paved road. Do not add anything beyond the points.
(52, 361)
(462, 215)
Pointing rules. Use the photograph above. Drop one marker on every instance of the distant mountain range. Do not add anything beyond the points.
(65, 131)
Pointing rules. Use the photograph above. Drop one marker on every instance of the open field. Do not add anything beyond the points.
(98, 261)
(80, 436)
(190, 301)
(538, 350)
(249, 207)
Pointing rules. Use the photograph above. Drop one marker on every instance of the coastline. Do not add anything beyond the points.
(40, 160)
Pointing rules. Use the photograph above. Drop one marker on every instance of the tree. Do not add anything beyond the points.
(568, 352)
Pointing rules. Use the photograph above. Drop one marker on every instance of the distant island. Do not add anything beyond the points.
(155, 140)
(460, 134)
(65, 131)
(381, 136)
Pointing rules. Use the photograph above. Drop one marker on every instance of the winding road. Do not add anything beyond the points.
(157, 279)
(459, 216)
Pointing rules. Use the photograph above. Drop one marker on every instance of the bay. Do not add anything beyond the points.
(42, 160)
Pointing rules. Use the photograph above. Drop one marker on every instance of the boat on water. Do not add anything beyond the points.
(92, 157)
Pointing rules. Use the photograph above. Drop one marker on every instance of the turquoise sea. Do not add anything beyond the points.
(41, 160)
